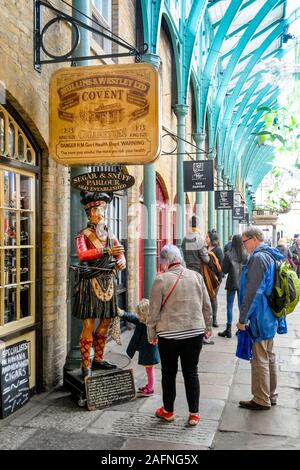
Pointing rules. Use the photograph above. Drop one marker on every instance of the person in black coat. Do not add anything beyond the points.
(232, 264)
(213, 245)
(148, 353)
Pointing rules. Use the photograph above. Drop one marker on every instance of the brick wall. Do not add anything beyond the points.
(27, 90)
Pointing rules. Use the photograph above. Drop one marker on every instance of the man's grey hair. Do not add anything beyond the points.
(253, 231)
(170, 254)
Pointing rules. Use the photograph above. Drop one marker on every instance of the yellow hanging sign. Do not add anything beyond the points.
(105, 114)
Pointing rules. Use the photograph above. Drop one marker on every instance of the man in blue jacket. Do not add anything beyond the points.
(256, 284)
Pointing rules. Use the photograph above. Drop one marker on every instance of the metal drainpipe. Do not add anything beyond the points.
(150, 208)
(181, 112)
(77, 214)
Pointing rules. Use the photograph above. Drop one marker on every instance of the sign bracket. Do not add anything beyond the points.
(40, 31)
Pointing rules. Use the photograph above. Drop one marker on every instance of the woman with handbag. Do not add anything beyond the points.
(179, 316)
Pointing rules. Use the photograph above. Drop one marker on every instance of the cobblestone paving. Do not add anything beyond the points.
(54, 421)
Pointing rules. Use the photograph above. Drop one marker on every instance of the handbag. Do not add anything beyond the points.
(244, 344)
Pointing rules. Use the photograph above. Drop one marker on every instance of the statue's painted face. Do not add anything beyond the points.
(97, 214)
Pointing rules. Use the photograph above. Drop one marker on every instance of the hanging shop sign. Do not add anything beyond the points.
(199, 176)
(105, 114)
(14, 378)
(223, 200)
(245, 219)
(103, 181)
(237, 213)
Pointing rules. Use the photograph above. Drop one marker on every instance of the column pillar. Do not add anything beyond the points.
(230, 221)
(77, 214)
(150, 209)
(225, 215)
(220, 212)
(181, 112)
(211, 200)
(199, 138)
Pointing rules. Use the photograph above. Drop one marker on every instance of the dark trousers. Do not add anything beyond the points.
(188, 350)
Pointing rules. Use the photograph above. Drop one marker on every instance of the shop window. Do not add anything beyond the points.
(17, 222)
(101, 13)
(16, 245)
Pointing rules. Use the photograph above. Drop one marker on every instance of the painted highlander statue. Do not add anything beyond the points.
(101, 257)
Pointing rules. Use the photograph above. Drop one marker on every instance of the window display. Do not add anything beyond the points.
(17, 245)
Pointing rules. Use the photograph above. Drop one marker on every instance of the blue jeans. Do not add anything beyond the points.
(230, 300)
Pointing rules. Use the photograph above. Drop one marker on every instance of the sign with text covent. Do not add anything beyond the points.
(199, 175)
(105, 114)
(14, 378)
(223, 200)
(238, 213)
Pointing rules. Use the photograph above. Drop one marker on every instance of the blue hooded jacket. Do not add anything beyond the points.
(256, 284)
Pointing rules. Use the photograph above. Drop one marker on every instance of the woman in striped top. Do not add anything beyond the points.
(180, 314)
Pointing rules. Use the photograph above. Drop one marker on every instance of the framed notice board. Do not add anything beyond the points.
(109, 388)
(14, 378)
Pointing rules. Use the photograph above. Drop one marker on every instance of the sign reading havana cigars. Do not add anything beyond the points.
(105, 114)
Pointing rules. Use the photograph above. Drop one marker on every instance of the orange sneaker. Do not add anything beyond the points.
(166, 415)
(194, 419)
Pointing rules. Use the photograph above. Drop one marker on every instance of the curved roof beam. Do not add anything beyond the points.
(191, 28)
(152, 14)
(253, 25)
(259, 161)
(238, 133)
(258, 53)
(248, 137)
(213, 56)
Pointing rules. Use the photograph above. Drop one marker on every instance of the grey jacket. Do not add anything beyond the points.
(194, 251)
(188, 306)
(231, 265)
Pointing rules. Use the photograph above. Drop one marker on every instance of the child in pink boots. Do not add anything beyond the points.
(148, 353)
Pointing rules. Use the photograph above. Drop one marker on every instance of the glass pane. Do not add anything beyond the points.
(25, 221)
(24, 261)
(10, 228)
(25, 187)
(11, 141)
(25, 300)
(10, 188)
(10, 304)
(20, 147)
(2, 134)
(29, 156)
(10, 267)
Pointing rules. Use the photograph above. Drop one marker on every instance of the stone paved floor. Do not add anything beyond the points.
(54, 421)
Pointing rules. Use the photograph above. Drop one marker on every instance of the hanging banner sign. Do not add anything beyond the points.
(105, 114)
(237, 213)
(103, 181)
(245, 219)
(199, 175)
(223, 200)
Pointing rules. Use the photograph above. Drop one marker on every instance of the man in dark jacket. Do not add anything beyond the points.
(194, 248)
(256, 285)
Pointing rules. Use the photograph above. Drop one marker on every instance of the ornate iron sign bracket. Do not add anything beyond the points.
(39, 32)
